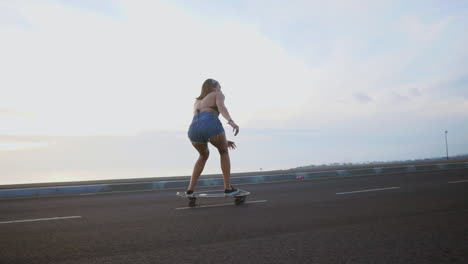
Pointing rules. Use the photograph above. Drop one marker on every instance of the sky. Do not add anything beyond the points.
(105, 89)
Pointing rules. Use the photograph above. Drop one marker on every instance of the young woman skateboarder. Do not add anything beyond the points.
(206, 127)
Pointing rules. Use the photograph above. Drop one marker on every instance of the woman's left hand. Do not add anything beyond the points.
(231, 144)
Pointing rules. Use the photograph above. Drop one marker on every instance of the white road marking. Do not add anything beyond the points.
(458, 181)
(216, 205)
(370, 190)
(40, 219)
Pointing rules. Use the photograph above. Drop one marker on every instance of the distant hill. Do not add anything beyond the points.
(383, 163)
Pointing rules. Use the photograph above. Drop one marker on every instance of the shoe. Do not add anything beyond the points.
(189, 193)
(231, 192)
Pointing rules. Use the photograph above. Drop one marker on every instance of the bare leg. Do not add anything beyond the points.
(200, 164)
(220, 142)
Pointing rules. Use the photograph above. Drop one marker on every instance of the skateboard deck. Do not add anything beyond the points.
(239, 198)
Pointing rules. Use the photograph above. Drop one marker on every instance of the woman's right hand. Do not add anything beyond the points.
(235, 127)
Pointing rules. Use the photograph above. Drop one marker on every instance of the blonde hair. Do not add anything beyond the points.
(208, 86)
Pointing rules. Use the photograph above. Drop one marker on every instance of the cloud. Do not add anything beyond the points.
(120, 74)
(363, 98)
(456, 87)
(23, 142)
(9, 146)
(11, 17)
(399, 98)
(419, 31)
(39, 158)
(149, 149)
(104, 7)
(14, 116)
(415, 92)
(7, 111)
(93, 74)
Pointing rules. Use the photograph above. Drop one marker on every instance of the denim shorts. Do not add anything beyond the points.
(204, 126)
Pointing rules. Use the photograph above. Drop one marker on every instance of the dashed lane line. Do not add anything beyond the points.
(40, 219)
(458, 181)
(369, 190)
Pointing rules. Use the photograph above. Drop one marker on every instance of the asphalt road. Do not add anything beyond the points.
(400, 218)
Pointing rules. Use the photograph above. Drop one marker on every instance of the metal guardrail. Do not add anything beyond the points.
(173, 184)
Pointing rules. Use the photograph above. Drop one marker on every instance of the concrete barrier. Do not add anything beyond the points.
(181, 184)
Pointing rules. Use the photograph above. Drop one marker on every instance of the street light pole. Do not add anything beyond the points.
(446, 144)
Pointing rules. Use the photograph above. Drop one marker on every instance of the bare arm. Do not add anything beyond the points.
(221, 107)
(224, 112)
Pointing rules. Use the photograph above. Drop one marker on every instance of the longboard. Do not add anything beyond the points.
(239, 198)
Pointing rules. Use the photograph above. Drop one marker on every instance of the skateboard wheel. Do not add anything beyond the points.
(239, 200)
(192, 202)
